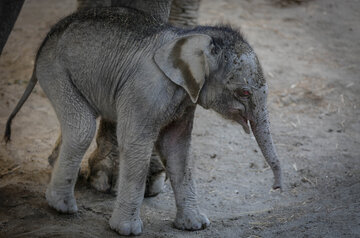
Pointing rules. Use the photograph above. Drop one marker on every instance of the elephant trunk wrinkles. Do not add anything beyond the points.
(261, 131)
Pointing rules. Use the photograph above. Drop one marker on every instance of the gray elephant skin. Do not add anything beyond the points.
(147, 76)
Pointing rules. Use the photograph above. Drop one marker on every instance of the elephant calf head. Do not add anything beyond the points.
(219, 70)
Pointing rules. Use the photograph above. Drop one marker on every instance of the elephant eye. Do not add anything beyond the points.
(242, 93)
(246, 93)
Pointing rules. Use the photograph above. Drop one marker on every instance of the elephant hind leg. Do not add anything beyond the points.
(103, 162)
(78, 125)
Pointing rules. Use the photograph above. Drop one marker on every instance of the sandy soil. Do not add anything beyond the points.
(310, 53)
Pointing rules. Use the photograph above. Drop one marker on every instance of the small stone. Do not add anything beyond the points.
(253, 166)
(213, 156)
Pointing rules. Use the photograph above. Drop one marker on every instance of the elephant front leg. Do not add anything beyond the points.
(173, 145)
(135, 152)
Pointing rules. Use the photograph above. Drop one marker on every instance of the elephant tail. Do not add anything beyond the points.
(21, 102)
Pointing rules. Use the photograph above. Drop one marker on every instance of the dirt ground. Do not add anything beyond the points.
(310, 53)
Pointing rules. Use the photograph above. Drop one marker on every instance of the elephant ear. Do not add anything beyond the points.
(184, 62)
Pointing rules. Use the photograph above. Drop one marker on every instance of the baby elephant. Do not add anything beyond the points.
(148, 77)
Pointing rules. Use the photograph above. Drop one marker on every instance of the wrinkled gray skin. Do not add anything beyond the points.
(148, 77)
(103, 162)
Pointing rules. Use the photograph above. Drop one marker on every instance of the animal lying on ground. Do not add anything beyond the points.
(147, 76)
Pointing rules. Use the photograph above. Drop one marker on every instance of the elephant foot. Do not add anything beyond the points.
(277, 186)
(102, 169)
(155, 184)
(64, 203)
(100, 181)
(104, 181)
(132, 227)
(191, 220)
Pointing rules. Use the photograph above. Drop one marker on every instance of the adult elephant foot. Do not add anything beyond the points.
(156, 177)
(103, 176)
(104, 164)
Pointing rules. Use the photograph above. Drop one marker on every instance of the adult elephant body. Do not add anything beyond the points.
(182, 12)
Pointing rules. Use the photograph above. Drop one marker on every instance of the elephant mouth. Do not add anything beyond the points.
(244, 123)
(237, 116)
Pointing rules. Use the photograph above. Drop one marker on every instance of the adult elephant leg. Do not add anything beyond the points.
(9, 11)
(83, 4)
(157, 8)
(184, 12)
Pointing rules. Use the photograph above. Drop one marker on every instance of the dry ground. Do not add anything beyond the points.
(310, 51)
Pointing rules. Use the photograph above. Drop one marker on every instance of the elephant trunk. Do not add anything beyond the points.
(261, 131)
